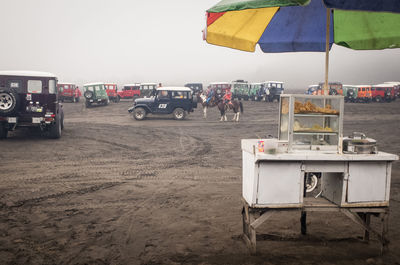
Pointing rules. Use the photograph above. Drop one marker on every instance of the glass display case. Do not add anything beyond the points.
(308, 122)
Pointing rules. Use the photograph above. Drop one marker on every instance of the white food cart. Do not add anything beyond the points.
(310, 141)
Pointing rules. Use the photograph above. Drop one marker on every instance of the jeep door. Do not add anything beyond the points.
(162, 102)
(128, 92)
(181, 99)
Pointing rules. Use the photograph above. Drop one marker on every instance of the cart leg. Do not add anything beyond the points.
(252, 233)
(303, 222)
(385, 228)
(367, 220)
(249, 233)
(245, 218)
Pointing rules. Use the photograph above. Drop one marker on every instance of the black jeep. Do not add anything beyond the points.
(196, 87)
(273, 90)
(165, 100)
(30, 99)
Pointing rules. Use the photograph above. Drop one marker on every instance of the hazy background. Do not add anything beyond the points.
(126, 41)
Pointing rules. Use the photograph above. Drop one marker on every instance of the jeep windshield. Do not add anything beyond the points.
(240, 86)
(223, 86)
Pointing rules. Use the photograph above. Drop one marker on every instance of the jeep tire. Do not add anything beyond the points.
(378, 99)
(62, 120)
(8, 102)
(88, 94)
(139, 113)
(3, 131)
(55, 129)
(179, 114)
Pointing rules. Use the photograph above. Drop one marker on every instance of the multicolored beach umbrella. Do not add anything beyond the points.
(304, 25)
(301, 25)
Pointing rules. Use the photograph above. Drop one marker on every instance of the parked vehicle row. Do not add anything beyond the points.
(33, 99)
(267, 91)
(102, 93)
(385, 92)
(136, 90)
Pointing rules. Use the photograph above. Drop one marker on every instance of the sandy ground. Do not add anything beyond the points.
(114, 190)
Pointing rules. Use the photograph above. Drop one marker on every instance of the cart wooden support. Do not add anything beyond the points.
(254, 217)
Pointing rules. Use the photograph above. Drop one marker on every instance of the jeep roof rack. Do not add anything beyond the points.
(94, 84)
(221, 83)
(278, 82)
(173, 88)
(27, 73)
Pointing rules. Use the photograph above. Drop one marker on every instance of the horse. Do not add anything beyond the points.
(202, 99)
(234, 105)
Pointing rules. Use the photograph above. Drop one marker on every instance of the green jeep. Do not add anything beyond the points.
(350, 93)
(240, 89)
(95, 93)
(256, 91)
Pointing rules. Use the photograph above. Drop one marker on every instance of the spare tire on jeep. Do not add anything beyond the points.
(88, 94)
(8, 102)
(333, 92)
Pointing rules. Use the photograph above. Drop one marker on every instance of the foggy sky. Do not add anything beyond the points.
(127, 41)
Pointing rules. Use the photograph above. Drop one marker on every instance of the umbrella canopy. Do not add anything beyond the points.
(304, 25)
(300, 25)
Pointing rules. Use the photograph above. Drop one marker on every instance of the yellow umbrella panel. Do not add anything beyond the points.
(240, 30)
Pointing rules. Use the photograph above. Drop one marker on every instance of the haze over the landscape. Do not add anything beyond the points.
(126, 41)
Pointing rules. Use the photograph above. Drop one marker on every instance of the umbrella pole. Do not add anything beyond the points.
(328, 21)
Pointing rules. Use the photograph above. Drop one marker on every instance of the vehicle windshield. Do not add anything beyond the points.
(239, 85)
(223, 86)
(312, 88)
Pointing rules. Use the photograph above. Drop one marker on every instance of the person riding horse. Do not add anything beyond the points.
(228, 97)
(210, 95)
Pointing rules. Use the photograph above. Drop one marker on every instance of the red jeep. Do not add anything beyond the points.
(129, 91)
(112, 92)
(383, 92)
(68, 91)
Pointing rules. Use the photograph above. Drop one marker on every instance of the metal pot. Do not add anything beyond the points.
(358, 143)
